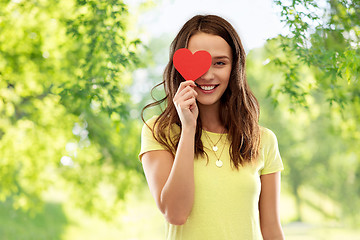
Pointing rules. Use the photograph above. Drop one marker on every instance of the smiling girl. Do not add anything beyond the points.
(213, 171)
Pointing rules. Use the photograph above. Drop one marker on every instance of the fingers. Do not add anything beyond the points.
(185, 88)
(187, 95)
(190, 102)
(187, 104)
(185, 84)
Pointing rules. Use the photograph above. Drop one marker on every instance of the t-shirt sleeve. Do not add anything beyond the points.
(148, 142)
(272, 158)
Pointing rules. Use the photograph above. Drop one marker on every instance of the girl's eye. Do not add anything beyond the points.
(219, 63)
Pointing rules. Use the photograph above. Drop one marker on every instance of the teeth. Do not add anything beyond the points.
(207, 88)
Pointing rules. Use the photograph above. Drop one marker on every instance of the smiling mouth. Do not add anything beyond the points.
(207, 87)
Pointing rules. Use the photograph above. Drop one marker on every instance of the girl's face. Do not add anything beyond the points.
(212, 85)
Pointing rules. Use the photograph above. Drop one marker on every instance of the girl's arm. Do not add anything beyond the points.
(171, 181)
(269, 207)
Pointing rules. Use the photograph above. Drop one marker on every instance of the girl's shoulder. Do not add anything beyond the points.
(151, 121)
(267, 136)
(266, 131)
(175, 129)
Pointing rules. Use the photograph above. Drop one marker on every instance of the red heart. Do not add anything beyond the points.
(191, 66)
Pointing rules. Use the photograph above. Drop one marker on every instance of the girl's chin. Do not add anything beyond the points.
(207, 102)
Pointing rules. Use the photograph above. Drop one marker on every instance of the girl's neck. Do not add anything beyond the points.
(210, 118)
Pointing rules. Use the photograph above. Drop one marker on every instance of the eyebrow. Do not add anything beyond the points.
(220, 57)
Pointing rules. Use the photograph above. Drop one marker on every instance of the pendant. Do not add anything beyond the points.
(219, 163)
(215, 148)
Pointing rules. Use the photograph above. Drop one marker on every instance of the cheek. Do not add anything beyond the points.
(226, 75)
(225, 71)
(225, 80)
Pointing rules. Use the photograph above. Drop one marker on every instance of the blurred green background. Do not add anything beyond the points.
(75, 74)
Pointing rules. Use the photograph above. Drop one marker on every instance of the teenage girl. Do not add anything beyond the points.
(213, 171)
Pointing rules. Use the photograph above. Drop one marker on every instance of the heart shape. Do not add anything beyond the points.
(191, 66)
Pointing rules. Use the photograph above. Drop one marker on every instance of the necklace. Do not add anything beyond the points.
(214, 147)
(218, 163)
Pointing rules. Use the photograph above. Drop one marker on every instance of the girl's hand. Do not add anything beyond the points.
(185, 104)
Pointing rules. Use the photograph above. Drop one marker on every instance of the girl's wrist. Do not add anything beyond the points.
(188, 129)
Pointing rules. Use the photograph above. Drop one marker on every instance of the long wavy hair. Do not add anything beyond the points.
(239, 111)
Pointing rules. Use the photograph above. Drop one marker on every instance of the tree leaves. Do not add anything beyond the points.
(321, 39)
(326, 40)
(64, 71)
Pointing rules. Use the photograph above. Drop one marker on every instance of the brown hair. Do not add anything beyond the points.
(240, 109)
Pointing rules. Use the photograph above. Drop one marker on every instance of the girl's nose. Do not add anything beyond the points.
(209, 75)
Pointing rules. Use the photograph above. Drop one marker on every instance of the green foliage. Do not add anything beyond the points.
(325, 38)
(152, 76)
(100, 56)
(316, 153)
(65, 67)
(47, 225)
(317, 67)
